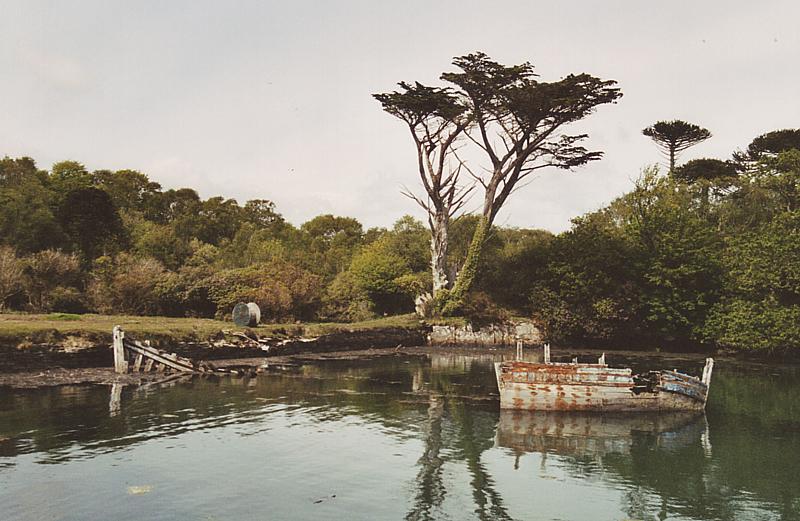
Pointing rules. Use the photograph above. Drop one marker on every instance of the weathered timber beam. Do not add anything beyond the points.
(166, 360)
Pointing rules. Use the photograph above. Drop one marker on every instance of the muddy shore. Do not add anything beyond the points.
(250, 366)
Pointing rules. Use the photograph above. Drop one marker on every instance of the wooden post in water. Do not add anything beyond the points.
(547, 353)
(519, 348)
(120, 365)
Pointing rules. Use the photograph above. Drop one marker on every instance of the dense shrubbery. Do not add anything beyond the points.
(708, 255)
(134, 248)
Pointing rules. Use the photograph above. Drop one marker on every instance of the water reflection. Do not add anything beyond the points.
(437, 435)
(586, 435)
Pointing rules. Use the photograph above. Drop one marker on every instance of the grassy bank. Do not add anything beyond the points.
(19, 329)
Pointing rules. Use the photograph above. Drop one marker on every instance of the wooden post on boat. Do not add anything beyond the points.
(547, 353)
(707, 369)
(120, 364)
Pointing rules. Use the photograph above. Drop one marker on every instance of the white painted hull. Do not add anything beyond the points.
(593, 387)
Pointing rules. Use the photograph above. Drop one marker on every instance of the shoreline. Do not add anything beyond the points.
(250, 367)
(45, 350)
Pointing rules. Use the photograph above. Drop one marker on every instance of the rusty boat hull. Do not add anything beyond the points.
(597, 387)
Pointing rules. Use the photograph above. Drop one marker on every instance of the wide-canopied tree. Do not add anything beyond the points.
(519, 122)
(516, 121)
(436, 118)
(673, 137)
(769, 144)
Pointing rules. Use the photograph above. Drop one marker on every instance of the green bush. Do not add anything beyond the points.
(282, 291)
(12, 275)
(346, 301)
(126, 284)
(49, 275)
(764, 326)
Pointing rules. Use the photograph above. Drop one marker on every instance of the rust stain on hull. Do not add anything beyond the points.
(585, 387)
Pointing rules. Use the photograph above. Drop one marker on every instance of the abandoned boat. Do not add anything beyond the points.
(574, 386)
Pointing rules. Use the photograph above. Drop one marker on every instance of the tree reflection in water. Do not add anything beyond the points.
(737, 464)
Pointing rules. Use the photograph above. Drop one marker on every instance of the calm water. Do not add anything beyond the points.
(393, 438)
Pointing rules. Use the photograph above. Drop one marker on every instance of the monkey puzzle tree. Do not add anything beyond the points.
(673, 137)
(709, 174)
(767, 145)
(436, 119)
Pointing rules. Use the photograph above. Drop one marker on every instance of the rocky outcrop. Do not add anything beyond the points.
(496, 335)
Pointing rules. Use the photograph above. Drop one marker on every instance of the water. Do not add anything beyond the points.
(393, 438)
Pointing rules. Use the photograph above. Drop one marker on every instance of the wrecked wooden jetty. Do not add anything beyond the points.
(574, 386)
(131, 356)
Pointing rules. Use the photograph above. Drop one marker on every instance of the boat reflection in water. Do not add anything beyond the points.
(595, 435)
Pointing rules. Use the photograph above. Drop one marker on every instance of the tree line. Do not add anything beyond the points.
(116, 242)
(706, 254)
(701, 254)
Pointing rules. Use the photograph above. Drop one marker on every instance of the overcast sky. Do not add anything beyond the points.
(272, 99)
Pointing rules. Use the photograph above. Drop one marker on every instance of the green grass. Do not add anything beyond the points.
(63, 316)
(21, 328)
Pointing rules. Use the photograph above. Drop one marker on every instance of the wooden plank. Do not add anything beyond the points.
(137, 364)
(148, 365)
(165, 359)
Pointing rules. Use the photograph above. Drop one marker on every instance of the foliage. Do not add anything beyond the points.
(331, 241)
(159, 241)
(378, 271)
(282, 290)
(481, 311)
(589, 289)
(764, 326)
(512, 116)
(673, 137)
(126, 284)
(762, 297)
(346, 301)
(769, 144)
(11, 275)
(27, 221)
(706, 255)
(91, 222)
(454, 300)
(51, 277)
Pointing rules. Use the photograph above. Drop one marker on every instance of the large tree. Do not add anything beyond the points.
(673, 137)
(519, 122)
(709, 175)
(768, 145)
(92, 223)
(436, 118)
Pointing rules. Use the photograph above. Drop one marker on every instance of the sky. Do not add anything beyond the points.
(272, 100)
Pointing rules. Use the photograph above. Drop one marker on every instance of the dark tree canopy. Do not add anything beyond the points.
(768, 144)
(673, 137)
(91, 221)
(705, 169)
(518, 120)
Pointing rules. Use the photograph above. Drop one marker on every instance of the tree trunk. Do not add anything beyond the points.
(439, 223)
(466, 277)
(671, 160)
